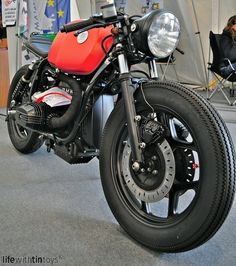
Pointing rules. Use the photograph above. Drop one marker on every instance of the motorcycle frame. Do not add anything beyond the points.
(127, 93)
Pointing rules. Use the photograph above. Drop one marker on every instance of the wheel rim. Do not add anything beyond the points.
(19, 131)
(180, 199)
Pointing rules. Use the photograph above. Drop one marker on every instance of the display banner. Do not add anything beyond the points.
(9, 11)
(59, 13)
(23, 17)
(149, 5)
(44, 16)
(144, 6)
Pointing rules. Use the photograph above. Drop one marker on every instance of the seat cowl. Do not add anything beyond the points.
(38, 45)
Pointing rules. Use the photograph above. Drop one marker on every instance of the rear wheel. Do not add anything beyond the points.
(24, 140)
(185, 189)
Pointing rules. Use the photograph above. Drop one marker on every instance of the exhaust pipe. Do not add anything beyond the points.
(74, 108)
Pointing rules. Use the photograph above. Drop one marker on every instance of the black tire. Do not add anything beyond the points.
(213, 189)
(24, 140)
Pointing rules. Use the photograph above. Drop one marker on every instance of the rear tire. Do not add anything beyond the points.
(213, 184)
(24, 140)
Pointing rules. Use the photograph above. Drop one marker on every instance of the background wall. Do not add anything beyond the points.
(195, 16)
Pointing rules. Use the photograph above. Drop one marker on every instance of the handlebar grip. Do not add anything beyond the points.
(77, 25)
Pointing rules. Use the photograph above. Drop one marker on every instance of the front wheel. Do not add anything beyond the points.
(185, 189)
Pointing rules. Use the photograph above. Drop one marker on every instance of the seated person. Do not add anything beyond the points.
(228, 45)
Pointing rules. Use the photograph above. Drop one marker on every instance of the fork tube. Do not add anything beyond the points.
(153, 69)
(127, 92)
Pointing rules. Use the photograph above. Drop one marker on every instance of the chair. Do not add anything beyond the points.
(164, 63)
(215, 67)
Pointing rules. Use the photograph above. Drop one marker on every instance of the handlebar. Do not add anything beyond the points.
(77, 25)
(96, 22)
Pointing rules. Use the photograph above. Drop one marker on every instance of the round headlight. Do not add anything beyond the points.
(157, 33)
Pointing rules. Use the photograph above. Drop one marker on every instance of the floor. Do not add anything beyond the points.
(55, 211)
(227, 111)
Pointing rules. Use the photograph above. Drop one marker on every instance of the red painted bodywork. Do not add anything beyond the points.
(72, 57)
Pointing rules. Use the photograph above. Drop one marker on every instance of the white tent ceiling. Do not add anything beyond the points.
(195, 16)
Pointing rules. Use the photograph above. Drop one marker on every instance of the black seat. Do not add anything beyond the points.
(218, 63)
(38, 44)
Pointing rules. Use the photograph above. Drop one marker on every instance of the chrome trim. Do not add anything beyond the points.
(172, 123)
(153, 69)
(122, 60)
(25, 80)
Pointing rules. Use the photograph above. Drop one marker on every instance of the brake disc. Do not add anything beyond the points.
(160, 191)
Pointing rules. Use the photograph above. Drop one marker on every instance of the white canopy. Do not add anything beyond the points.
(197, 18)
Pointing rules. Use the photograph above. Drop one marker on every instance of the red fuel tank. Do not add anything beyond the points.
(79, 55)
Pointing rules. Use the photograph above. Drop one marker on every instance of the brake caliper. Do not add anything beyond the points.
(152, 131)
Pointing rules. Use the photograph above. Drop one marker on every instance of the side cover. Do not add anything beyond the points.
(79, 55)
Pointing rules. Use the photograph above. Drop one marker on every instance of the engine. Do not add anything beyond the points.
(52, 109)
(37, 116)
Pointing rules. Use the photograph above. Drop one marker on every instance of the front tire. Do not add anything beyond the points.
(24, 140)
(201, 195)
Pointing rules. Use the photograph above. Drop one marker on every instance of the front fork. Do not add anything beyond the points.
(131, 116)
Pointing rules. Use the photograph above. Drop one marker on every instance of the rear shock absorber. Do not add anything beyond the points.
(25, 79)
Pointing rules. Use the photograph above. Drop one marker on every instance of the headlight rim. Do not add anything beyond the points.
(141, 32)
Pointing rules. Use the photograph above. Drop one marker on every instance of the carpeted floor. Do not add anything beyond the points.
(55, 211)
(227, 111)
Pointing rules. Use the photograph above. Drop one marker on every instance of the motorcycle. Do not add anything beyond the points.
(167, 161)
